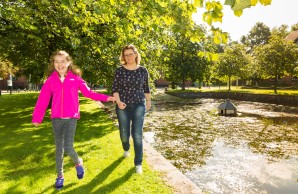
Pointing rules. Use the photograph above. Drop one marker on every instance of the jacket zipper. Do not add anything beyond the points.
(62, 100)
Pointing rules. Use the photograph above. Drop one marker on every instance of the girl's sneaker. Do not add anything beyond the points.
(80, 169)
(126, 154)
(59, 183)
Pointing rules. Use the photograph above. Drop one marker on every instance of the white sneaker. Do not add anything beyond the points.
(139, 169)
(126, 154)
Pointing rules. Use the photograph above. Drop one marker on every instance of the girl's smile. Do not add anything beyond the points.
(61, 64)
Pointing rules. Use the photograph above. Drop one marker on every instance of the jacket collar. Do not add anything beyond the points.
(56, 74)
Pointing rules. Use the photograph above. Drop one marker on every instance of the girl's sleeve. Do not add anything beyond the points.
(87, 92)
(42, 102)
(146, 87)
(115, 86)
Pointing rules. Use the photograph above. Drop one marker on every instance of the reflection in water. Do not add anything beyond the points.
(255, 152)
(239, 170)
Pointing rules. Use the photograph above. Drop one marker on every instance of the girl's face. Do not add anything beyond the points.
(61, 64)
(130, 56)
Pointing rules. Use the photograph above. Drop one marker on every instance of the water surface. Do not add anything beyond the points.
(255, 152)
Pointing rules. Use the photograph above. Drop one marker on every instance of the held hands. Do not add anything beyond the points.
(110, 98)
(101, 105)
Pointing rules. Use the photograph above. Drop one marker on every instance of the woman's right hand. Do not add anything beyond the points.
(121, 105)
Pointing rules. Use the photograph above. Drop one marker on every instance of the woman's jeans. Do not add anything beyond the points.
(131, 120)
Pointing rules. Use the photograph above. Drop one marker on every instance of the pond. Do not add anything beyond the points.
(254, 152)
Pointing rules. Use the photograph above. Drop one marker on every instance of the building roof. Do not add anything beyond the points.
(228, 105)
(292, 36)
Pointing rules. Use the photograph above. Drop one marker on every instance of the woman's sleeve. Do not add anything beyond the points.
(146, 82)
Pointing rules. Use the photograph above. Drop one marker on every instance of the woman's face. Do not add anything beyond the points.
(61, 64)
(130, 56)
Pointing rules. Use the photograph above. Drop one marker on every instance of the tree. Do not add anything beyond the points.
(277, 58)
(182, 58)
(232, 63)
(294, 27)
(281, 31)
(258, 35)
(93, 32)
(7, 68)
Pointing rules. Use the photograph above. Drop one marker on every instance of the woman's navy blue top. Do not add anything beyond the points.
(131, 84)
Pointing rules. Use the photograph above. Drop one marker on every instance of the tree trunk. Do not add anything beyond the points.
(183, 84)
(229, 83)
(275, 82)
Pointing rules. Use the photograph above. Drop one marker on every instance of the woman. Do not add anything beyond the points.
(132, 93)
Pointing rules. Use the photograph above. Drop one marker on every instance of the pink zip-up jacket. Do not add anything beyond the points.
(65, 97)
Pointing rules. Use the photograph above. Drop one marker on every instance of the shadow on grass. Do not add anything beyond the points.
(101, 177)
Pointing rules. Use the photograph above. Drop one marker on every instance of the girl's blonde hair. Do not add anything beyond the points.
(73, 68)
(135, 50)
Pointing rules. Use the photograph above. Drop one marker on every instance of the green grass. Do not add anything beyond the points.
(27, 157)
(234, 89)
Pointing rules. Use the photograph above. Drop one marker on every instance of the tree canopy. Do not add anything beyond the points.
(277, 58)
(93, 32)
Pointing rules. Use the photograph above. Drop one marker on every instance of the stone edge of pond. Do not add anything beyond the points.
(173, 176)
(289, 100)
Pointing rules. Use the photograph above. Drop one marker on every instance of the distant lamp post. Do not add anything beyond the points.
(0, 85)
(9, 83)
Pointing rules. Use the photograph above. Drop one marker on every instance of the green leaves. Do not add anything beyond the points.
(66, 2)
(265, 2)
(213, 13)
(254, 2)
(239, 5)
(94, 31)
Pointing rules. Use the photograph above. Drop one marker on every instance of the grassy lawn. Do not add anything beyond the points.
(27, 158)
(280, 91)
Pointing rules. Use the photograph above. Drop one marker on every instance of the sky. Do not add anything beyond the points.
(274, 15)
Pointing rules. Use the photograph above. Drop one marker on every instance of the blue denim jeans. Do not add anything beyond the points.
(131, 120)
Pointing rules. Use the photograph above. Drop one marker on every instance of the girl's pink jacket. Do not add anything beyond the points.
(65, 97)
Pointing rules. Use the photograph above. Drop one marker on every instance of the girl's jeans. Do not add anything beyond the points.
(131, 120)
(64, 132)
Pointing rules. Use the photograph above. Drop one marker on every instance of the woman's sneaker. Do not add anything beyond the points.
(59, 183)
(80, 169)
(139, 169)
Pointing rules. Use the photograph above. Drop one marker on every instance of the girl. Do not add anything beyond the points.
(62, 88)
(132, 93)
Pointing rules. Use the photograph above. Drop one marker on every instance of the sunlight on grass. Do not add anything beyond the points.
(27, 158)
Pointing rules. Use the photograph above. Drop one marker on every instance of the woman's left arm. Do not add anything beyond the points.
(147, 90)
(148, 101)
